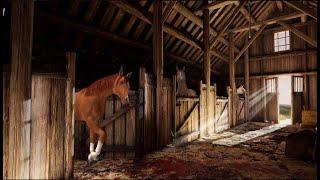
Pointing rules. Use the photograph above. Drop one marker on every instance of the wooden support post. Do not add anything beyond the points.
(233, 99)
(305, 77)
(5, 99)
(20, 89)
(206, 57)
(247, 81)
(69, 139)
(158, 62)
(174, 97)
(264, 99)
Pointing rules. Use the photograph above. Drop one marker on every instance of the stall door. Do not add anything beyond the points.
(297, 98)
(272, 107)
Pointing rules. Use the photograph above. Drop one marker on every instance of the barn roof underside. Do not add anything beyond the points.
(96, 24)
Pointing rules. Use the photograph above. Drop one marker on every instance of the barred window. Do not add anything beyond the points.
(281, 41)
(297, 84)
(271, 85)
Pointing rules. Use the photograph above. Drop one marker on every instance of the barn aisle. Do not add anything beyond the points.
(259, 158)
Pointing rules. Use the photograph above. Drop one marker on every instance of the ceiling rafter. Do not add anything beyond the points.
(195, 19)
(300, 34)
(225, 26)
(111, 36)
(302, 8)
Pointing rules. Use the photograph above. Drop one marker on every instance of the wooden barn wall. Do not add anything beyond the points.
(149, 123)
(264, 45)
(5, 120)
(49, 130)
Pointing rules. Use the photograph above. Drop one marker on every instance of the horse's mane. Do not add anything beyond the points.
(100, 85)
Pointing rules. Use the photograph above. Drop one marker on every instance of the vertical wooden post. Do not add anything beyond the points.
(69, 135)
(247, 81)
(206, 58)
(5, 111)
(305, 77)
(233, 105)
(158, 62)
(20, 89)
(174, 104)
(264, 99)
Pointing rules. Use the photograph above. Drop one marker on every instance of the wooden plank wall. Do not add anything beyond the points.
(222, 115)
(121, 133)
(207, 125)
(5, 123)
(48, 128)
(294, 63)
(183, 109)
(150, 126)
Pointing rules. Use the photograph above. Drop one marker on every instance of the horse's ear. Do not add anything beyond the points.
(184, 68)
(121, 71)
(129, 74)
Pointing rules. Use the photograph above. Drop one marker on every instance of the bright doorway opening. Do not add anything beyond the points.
(285, 102)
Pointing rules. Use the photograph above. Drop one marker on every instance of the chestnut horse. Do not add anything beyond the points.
(182, 89)
(90, 105)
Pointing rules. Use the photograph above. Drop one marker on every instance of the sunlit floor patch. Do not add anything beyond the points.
(240, 138)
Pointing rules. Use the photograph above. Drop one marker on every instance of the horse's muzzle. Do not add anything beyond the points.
(126, 100)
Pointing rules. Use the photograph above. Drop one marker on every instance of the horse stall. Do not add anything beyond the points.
(121, 124)
(192, 98)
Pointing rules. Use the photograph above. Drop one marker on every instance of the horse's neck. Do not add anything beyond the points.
(109, 89)
(182, 85)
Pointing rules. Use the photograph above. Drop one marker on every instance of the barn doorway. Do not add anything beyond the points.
(285, 100)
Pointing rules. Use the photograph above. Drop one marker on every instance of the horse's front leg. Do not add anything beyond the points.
(91, 140)
(93, 156)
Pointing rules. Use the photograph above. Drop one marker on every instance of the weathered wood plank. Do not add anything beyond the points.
(20, 89)
(69, 138)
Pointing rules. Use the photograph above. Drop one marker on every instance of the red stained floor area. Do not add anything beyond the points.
(259, 158)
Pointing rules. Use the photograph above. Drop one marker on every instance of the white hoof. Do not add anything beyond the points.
(93, 156)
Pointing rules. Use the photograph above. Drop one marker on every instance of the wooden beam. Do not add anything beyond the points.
(20, 89)
(299, 33)
(167, 11)
(147, 17)
(303, 8)
(195, 19)
(214, 5)
(157, 29)
(206, 58)
(265, 22)
(246, 46)
(225, 26)
(69, 116)
(233, 103)
(281, 55)
(271, 75)
(246, 80)
(113, 37)
(247, 15)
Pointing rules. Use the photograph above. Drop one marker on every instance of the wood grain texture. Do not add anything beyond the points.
(20, 89)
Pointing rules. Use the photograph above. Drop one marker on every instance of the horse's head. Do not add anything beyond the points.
(181, 75)
(121, 86)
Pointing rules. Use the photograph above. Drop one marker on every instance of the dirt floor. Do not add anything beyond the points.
(259, 158)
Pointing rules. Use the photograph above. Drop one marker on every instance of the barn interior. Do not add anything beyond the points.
(252, 65)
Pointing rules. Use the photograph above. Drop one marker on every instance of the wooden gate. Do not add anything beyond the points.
(272, 105)
(222, 115)
(297, 98)
(187, 118)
